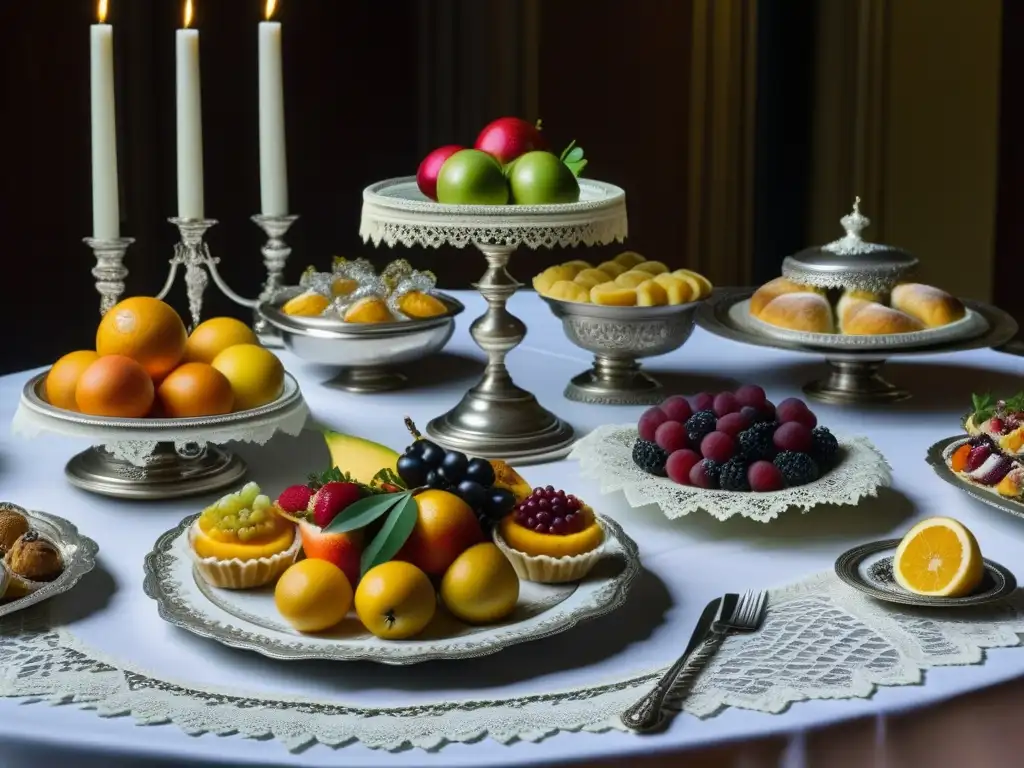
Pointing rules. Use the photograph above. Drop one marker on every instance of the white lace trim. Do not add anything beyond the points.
(606, 456)
(821, 640)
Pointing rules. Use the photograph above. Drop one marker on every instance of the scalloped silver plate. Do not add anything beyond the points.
(77, 551)
(938, 460)
(249, 620)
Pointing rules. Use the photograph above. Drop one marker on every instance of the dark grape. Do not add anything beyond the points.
(472, 493)
(435, 480)
(480, 471)
(431, 453)
(453, 467)
(412, 471)
(416, 449)
(498, 503)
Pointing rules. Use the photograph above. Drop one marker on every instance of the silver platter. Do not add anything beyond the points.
(77, 551)
(248, 619)
(868, 568)
(853, 377)
(618, 337)
(937, 458)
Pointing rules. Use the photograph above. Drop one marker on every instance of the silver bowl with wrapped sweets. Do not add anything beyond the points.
(365, 352)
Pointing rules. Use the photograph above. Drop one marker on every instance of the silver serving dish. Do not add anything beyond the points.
(938, 460)
(618, 337)
(77, 551)
(850, 262)
(366, 353)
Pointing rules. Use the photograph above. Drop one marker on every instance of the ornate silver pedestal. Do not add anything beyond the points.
(110, 270)
(854, 381)
(496, 418)
(275, 256)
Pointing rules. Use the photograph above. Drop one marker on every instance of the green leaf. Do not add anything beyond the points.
(361, 513)
(984, 407)
(575, 155)
(1016, 403)
(389, 476)
(392, 535)
(567, 150)
(577, 167)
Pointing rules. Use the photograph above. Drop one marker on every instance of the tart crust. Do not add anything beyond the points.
(546, 569)
(243, 574)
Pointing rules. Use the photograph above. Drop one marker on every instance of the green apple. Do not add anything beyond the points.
(541, 178)
(471, 177)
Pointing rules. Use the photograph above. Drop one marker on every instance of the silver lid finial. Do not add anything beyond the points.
(854, 223)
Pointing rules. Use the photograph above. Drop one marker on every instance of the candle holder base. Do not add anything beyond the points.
(275, 255)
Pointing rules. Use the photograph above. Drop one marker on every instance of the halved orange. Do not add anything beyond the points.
(939, 557)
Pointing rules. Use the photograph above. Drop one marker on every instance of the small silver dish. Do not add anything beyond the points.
(868, 568)
(938, 459)
(77, 552)
(618, 337)
(365, 353)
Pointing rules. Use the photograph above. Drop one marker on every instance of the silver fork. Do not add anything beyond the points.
(737, 614)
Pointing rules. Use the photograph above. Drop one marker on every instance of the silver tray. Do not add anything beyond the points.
(868, 568)
(938, 457)
(77, 551)
(249, 620)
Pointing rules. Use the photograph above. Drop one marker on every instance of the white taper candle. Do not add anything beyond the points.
(273, 156)
(106, 215)
(190, 122)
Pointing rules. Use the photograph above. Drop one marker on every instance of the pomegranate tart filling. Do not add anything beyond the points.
(551, 537)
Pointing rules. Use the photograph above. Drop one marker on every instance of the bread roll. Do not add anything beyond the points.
(804, 311)
(777, 287)
(869, 318)
(932, 306)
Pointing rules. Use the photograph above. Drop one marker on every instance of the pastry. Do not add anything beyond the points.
(13, 524)
(32, 562)
(650, 293)
(550, 537)
(869, 318)
(632, 278)
(993, 456)
(770, 290)
(240, 542)
(5, 580)
(809, 312)
(678, 290)
(931, 306)
(613, 295)
(617, 283)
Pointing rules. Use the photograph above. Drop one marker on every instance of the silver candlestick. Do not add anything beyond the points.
(110, 270)
(275, 255)
(193, 253)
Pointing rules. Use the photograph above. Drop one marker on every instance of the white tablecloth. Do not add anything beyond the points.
(690, 560)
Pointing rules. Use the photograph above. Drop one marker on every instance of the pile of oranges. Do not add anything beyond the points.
(146, 365)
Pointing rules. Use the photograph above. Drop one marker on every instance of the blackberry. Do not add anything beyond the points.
(700, 425)
(733, 476)
(797, 468)
(649, 457)
(824, 446)
(981, 439)
(713, 470)
(755, 442)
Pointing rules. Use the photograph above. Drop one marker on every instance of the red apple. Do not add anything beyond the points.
(509, 137)
(342, 549)
(426, 174)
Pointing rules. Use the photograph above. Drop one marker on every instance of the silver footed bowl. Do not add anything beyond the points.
(364, 353)
(618, 337)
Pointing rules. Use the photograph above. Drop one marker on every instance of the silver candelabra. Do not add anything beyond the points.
(193, 254)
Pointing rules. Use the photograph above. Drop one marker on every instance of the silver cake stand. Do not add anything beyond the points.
(495, 419)
(157, 458)
(853, 376)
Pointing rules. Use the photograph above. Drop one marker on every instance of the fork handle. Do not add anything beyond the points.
(645, 715)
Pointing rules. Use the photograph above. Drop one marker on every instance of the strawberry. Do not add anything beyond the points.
(997, 425)
(331, 499)
(993, 470)
(977, 456)
(295, 499)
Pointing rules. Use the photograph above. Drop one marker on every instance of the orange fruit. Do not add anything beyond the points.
(115, 385)
(481, 586)
(63, 378)
(940, 557)
(213, 336)
(145, 329)
(255, 374)
(195, 389)
(395, 600)
(445, 528)
(313, 595)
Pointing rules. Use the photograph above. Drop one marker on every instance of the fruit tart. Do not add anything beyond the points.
(993, 456)
(551, 537)
(240, 542)
(32, 562)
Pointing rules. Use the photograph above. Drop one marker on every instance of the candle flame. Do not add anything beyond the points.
(101, 11)
(271, 5)
(188, 13)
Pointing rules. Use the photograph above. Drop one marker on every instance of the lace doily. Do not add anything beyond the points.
(396, 213)
(820, 640)
(606, 456)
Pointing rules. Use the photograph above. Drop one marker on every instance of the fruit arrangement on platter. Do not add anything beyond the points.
(993, 456)
(354, 293)
(28, 561)
(628, 280)
(939, 557)
(509, 164)
(908, 308)
(734, 441)
(392, 535)
(145, 364)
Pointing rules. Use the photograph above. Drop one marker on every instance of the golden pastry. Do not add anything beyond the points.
(629, 259)
(13, 525)
(371, 309)
(808, 312)
(588, 278)
(612, 295)
(868, 318)
(612, 268)
(773, 288)
(631, 279)
(34, 558)
(678, 291)
(568, 290)
(931, 306)
(651, 294)
(651, 267)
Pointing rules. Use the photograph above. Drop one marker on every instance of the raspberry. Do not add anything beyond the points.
(797, 468)
(725, 403)
(671, 436)
(750, 394)
(756, 443)
(295, 499)
(649, 457)
(677, 408)
(824, 445)
(330, 500)
(704, 474)
(733, 423)
(734, 476)
(718, 446)
(649, 422)
(679, 465)
(793, 436)
(764, 476)
(702, 401)
(699, 425)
